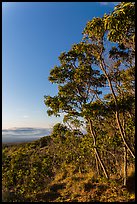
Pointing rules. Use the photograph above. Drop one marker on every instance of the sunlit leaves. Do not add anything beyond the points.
(77, 81)
(95, 29)
(121, 24)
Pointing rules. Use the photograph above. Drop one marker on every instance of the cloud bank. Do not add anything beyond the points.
(24, 134)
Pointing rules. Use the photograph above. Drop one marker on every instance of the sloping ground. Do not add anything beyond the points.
(28, 177)
(68, 186)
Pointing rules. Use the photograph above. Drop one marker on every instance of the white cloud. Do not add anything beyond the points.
(23, 134)
(104, 3)
(108, 3)
(20, 109)
(25, 116)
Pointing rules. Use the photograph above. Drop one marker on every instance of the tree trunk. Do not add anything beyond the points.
(125, 165)
(123, 134)
(96, 151)
(117, 111)
(97, 166)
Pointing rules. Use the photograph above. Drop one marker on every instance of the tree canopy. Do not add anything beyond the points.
(96, 81)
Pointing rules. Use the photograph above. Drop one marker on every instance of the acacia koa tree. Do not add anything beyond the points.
(118, 28)
(100, 61)
(97, 37)
(78, 83)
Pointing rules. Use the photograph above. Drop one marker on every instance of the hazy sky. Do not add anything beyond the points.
(33, 36)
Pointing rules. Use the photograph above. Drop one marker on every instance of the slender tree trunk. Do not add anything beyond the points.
(123, 134)
(97, 166)
(96, 151)
(117, 111)
(125, 155)
(125, 165)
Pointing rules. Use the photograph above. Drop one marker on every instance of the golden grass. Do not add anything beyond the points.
(72, 186)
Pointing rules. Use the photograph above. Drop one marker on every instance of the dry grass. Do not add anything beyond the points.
(72, 186)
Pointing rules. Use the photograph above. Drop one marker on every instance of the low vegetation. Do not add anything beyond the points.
(51, 169)
(96, 93)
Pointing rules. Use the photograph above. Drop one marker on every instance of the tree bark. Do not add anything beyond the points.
(117, 111)
(96, 151)
(125, 165)
(97, 166)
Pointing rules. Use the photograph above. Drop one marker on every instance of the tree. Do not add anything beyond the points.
(100, 61)
(78, 84)
(121, 57)
(59, 130)
(95, 35)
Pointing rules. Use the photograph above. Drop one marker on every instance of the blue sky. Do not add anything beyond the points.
(33, 36)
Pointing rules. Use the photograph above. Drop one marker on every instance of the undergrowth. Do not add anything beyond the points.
(32, 173)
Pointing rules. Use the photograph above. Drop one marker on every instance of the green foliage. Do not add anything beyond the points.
(33, 174)
(59, 130)
(121, 24)
(104, 58)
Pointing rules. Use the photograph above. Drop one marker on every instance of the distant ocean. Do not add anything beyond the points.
(23, 134)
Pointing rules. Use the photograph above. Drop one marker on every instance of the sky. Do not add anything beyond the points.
(33, 36)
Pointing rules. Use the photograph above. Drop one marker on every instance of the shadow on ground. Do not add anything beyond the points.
(53, 194)
(131, 183)
(49, 196)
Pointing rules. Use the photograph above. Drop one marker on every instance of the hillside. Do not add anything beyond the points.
(50, 170)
